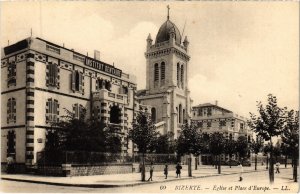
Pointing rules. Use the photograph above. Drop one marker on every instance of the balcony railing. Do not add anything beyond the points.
(104, 94)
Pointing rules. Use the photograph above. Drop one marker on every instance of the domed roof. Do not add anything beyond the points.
(164, 32)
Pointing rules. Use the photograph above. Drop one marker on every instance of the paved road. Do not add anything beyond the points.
(256, 180)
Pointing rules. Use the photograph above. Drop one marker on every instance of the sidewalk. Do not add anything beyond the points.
(125, 180)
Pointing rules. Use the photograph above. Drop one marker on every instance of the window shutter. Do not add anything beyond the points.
(14, 70)
(55, 74)
(73, 79)
(47, 75)
(80, 81)
(14, 106)
(97, 84)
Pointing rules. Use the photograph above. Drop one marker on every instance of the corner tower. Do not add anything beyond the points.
(167, 78)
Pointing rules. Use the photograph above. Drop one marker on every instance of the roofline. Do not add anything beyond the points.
(212, 105)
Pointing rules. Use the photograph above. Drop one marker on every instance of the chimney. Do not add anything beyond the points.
(216, 103)
(97, 55)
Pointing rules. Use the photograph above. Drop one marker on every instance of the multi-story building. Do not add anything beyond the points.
(41, 79)
(167, 90)
(212, 118)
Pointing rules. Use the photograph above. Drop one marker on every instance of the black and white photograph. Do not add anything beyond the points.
(149, 96)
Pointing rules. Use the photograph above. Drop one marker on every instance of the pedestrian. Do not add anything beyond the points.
(151, 171)
(10, 164)
(277, 167)
(178, 169)
(166, 171)
(240, 166)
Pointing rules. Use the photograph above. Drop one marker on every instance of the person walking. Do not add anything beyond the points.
(166, 171)
(277, 167)
(178, 169)
(151, 171)
(240, 166)
(10, 164)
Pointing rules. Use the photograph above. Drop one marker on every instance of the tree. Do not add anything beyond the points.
(143, 134)
(290, 137)
(216, 147)
(76, 135)
(266, 151)
(277, 151)
(163, 144)
(242, 147)
(230, 148)
(267, 124)
(286, 152)
(189, 142)
(256, 146)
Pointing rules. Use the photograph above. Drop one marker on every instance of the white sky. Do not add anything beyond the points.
(240, 51)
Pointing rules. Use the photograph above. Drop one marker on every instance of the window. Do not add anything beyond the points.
(107, 85)
(222, 123)
(52, 112)
(123, 90)
(78, 110)
(177, 114)
(11, 110)
(99, 84)
(77, 81)
(115, 115)
(232, 124)
(153, 115)
(200, 124)
(178, 74)
(11, 144)
(180, 113)
(11, 74)
(208, 124)
(200, 112)
(242, 126)
(208, 111)
(53, 49)
(163, 70)
(156, 72)
(182, 76)
(52, 74)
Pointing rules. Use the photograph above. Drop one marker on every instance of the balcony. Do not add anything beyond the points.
(104, 94)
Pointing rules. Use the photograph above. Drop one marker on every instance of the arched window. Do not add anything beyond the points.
(163, 70)
(153, 114)
(182, 76)
(178, 74)
(156, 72)
(180, 113)
(115, 114)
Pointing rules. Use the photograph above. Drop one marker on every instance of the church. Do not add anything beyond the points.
(167, 90)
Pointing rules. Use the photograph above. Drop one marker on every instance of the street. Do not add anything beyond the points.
(252, 182)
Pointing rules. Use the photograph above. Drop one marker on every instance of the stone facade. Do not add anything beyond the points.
(212, 118)
(41, 79)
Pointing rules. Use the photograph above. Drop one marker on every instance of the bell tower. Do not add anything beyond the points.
(167, 76)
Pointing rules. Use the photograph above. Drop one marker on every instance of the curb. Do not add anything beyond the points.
(121, 185)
